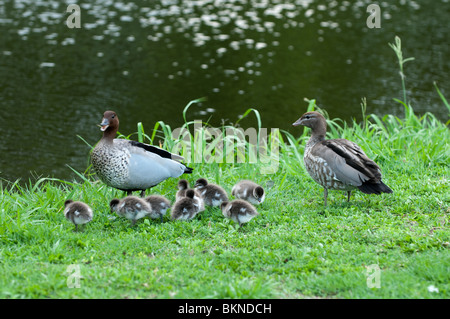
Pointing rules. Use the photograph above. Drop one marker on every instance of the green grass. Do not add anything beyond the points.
(295, 248)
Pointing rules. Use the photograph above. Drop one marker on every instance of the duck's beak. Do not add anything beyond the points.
(298, 122)
(104, 125)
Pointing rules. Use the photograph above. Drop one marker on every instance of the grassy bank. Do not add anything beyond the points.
(294, 249)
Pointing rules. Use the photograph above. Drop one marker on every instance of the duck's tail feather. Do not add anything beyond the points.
(188, 170)
(375, 188)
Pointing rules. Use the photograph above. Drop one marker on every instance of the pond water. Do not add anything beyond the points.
(147, 59)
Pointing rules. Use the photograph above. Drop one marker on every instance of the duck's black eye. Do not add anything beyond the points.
(113, 116)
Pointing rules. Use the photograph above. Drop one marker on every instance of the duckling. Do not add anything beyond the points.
(77, 212)
(239, 211)
(186, 208)
(159, 205)
(131, 165)
(183, 186)
(131, 207)
(212, 194)
(249, 191)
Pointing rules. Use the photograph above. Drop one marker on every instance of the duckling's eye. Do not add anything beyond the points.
(113, 116)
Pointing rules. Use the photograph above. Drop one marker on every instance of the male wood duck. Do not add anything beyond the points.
(130, 165)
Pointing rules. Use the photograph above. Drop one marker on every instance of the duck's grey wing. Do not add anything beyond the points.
(348, 161)
(157, 150)
(152, 151)
(351, 165)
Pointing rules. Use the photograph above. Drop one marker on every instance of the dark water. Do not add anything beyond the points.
(147, 59)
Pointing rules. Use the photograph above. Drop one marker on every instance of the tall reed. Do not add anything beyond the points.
(397, 47)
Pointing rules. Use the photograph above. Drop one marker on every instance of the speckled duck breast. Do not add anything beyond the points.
(111, 163)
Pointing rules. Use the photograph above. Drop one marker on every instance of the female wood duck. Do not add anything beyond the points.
(129, 165)
(338, 164)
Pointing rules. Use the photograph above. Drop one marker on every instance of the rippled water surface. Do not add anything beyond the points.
(147, 59)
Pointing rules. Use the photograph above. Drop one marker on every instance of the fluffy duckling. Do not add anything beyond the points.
(239, 211)
(249, 191)
(77, 212)
(183, 186)
(212, 194)
(131, 207)
(186, 208)
(159, 205)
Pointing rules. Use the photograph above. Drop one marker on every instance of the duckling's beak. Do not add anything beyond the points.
(104, 125)
(298, 122)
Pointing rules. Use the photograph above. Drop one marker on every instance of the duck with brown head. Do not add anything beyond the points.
(130, 165)
(338, 164)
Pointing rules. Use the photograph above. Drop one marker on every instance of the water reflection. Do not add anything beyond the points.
(146, 60)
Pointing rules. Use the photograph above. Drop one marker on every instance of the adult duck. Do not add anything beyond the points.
(338, 164)
(130, 165)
